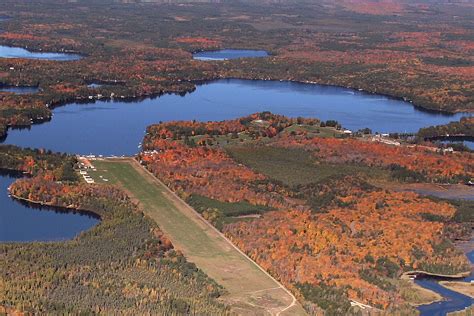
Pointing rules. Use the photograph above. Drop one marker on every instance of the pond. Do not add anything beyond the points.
(117, 127)
(25, 222)
(226, 54)
(19, 90)
(18, 52)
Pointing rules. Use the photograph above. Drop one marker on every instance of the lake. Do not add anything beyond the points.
(226, 54)
(117, 127)
(23, 222)
(19, 90)
(18, 52)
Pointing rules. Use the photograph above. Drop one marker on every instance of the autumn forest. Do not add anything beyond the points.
(340, 220)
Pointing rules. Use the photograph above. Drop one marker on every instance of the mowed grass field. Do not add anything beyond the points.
(250, 290)
(295, 166)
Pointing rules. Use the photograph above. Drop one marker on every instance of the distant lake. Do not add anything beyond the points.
(225, 54)
(19, 90)
(18, 52)
(21, 222)
(117, 127)
(94, 85)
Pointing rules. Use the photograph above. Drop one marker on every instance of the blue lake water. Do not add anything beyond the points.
(454, 300)
(226, 54)
(18, 52)
(94, 85)
(470, 256)
(21, 222)
(19, 90)
(467, 143)
(117, 127)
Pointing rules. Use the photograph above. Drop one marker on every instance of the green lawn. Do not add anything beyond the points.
(250, 289)
(315, 130)
(201, 203)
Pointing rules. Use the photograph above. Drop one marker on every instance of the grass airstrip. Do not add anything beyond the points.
(250, 290)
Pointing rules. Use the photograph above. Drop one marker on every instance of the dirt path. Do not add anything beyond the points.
(251, 290)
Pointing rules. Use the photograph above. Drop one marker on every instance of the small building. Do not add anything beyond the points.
(385, 141)
(85, 163)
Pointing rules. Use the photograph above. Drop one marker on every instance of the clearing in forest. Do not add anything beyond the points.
(250, 289)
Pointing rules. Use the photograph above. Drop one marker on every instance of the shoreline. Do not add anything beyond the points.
(56, 208)
(460, 275)
(454, 283)
(434, 296)
(465, 288)
(198, 82)
(440, 190)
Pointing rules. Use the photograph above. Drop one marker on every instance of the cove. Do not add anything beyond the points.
(226, 54)
(454, 301)
(117, 127)
(23, 222)
(18, 52)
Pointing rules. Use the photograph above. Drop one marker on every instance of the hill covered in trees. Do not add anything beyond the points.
(311, 212)
(462, 129)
